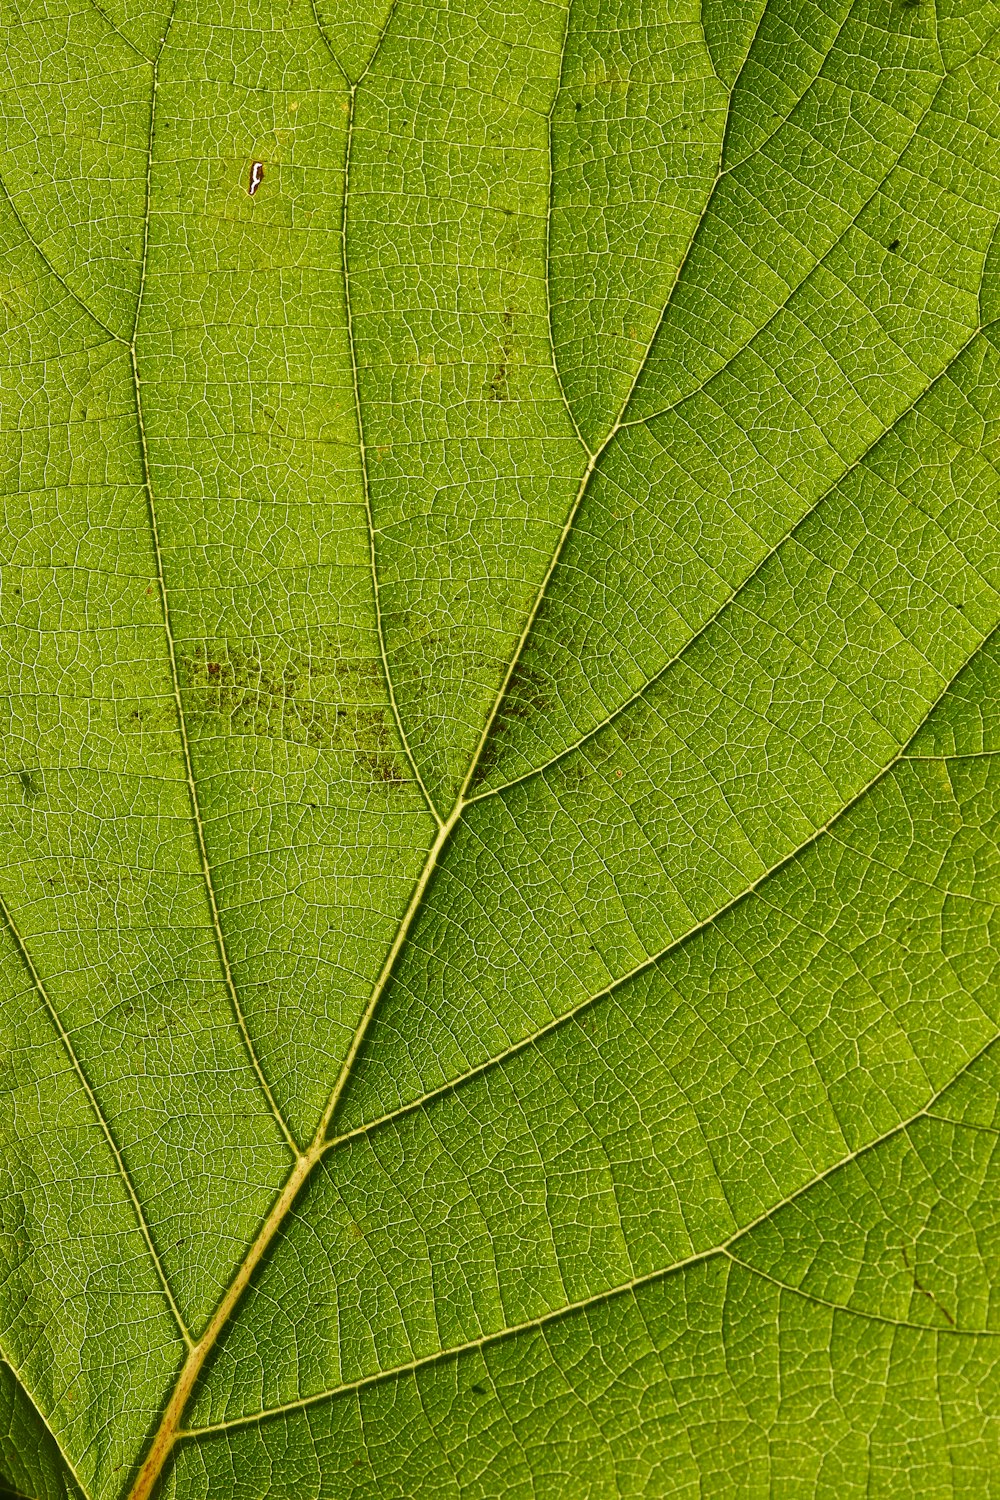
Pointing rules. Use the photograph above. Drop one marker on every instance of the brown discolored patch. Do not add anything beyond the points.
(497, 386)
(529, 696)
(376, 748)
(305, 695)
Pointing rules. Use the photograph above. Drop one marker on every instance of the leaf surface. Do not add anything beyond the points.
(501, 787)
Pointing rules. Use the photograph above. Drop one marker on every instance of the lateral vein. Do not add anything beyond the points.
(550, 123)
(166, 1435)
(78, 1068)
(53, 272)
(363, 451)
(19, 1378)
(723, 1248)
(206, 868)
(860, 1312)
(170, 1430)
(664, 411)
(497, 1059)
(734, 595)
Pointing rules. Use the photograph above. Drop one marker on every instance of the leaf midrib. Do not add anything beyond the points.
(497, 1059)
(166, 1434)
(306, 1160)
(170, 1432)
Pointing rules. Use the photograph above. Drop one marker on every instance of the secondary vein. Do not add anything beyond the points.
(901, 757)
(192, 787)
(362, 449)
(64, 1037)
(723, 1248)
(170, 1430)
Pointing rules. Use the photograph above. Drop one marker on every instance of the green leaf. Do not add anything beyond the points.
(502, 749)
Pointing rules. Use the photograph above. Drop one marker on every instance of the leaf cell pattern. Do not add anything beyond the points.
(501, 783)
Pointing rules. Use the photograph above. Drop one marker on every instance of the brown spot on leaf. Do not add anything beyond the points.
(529, 695)
(497, 387)
(305, 694)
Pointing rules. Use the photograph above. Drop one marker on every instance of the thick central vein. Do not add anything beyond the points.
(566, 1016)
(169, 1429)
(170, 1426)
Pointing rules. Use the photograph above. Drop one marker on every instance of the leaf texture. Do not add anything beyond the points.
(501, 781)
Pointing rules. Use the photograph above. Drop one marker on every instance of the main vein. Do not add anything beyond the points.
(169, 1430)
(523, 1043)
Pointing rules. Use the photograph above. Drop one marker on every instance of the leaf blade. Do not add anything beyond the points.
(390, 574)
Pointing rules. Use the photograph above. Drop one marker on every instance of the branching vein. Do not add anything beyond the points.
(94, 1103)
(154, 529)
(725, 1248)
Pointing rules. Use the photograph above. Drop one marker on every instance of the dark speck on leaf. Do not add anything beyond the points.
(480, 1390)
(894, 245)
(296, 695)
